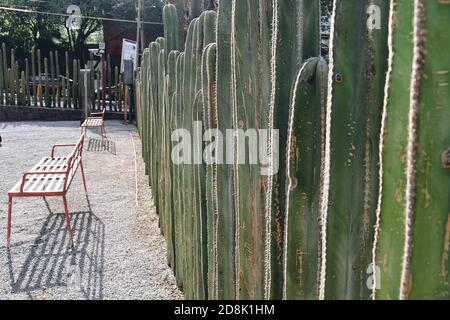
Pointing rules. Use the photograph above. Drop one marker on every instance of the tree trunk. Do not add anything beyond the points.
(195, 9)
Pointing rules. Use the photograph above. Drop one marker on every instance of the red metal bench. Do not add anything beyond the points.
(50, 177)
(95, 120)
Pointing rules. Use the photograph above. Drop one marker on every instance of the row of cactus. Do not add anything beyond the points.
(16, 87)
(353, 202)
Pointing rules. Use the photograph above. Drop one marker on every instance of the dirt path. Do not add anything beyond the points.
(119, 252)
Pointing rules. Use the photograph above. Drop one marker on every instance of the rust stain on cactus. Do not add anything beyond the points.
(446, 159)
(444, 260)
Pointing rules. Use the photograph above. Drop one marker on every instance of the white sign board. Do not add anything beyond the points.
(128, 52)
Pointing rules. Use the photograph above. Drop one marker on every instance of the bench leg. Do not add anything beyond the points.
(9, 220)
(82, 174)
(69, 229)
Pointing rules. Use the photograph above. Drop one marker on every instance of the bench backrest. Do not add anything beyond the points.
(74, 160)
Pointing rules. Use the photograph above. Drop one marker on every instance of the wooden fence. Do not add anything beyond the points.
(39, 81)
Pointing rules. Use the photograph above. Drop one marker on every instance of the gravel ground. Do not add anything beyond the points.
(119, 252)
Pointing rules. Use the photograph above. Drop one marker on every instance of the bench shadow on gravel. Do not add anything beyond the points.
(97, 145)
(51, 263)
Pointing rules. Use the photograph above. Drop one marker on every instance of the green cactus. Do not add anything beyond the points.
(250, 43)
(170, 20)
(161, 138)
(188, 196)
(168, 168)
(178, 177)
(413, 224)
(154, 112)
(144, 107)
(355, 98)
(304, 152)
(226, 268)
(162, 42)
(210, 123)
(289, 50)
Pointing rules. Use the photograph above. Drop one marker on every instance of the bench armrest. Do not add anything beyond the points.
(61, 146)
(26, 174)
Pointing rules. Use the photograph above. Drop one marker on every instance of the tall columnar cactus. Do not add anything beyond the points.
(250, 93)
(355, 99)
(413, 225)
(226, 268)
(360, 178)
(210, 124)
(178, 178)
(161, 138)
(289, 50)
(304, 152)
(205, 35)
(168, 164)
(170, 20)
(188, 184)
(154, 111)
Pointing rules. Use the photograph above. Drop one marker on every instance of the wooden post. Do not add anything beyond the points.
(58, 79)
(46, 92)
(92, 76)
(27, 83)
(109, 82)
(68, 86)
(126, 100)
(2, 76)
(52, 77)
(6, 73)
(75, 85)
(40, 97)
(13, 78)
(116, 88)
